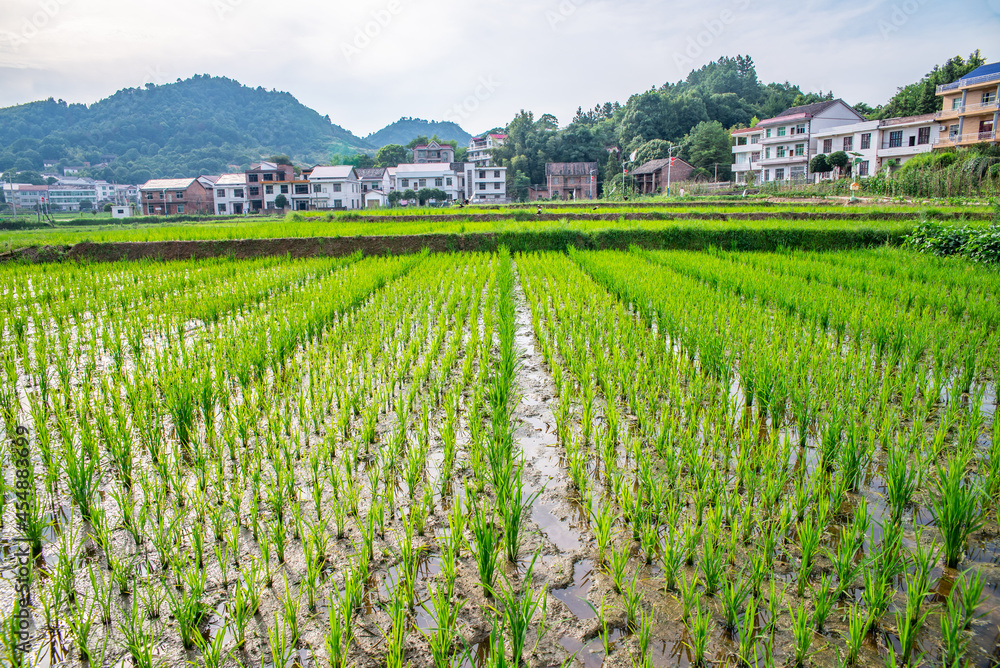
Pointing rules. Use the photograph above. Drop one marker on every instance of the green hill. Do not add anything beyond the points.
(406, 129)
(201, 125)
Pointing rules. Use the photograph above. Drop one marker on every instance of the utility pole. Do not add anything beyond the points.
(670, 162)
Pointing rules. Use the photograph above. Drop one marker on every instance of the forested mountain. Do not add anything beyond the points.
(406, 129)
(695, 112)
(201, 125)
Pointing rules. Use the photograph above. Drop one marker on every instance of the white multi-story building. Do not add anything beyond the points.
(449, 177)
(480, 147)
(857, 140)
(879, 143)
(231, 195)
(786, 140)
(334, 187)
(485, 184)
(375, 186)
(746, 152)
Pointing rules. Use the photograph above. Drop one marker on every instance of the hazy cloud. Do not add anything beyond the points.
(366, 63)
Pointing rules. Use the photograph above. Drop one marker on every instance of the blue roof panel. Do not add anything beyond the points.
(983, 70)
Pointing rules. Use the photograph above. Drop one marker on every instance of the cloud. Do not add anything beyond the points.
(368, 62)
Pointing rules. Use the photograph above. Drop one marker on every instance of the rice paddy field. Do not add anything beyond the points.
(509, 219)
(594, 458)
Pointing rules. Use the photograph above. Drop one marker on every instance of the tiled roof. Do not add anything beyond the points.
(657, 165)
(332, 172)
(232, 180)
(370, 172)
(569, 168)
(167, 184)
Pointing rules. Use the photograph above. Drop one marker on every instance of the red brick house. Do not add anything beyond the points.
(652, 176)
(571, 180)
(172, 197)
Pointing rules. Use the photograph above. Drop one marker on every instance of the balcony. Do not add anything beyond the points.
(965, 83)
(978, 108)
(965, 139)
(887, 151)
(788, 159)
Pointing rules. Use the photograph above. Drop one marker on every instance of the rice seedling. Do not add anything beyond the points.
(824, 596)
(602, 521)
(747, 634)
(484, 547)
(698, 633)
(140, 642)
(970, 595)
(735, 592)
(632, 601)
(395, 638)
(957, 508)
(617, 564)
(857, 630)
(712, 567)
(954, 639)
(281, 647)
(690, 596)
(519, 609)
(803, 634)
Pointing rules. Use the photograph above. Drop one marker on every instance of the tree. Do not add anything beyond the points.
(391, 155)
(409, 194)
(394, 197)
(108, 208)
(651, 150)
(280, 159)
(820, 165)
(427, 194)
(519, 186)
(839, 160)
(709, 147)
(280, 202)
(86, 205)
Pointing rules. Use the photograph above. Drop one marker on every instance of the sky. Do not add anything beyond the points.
(367, 63)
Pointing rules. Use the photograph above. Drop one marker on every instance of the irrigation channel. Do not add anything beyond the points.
(619, 459)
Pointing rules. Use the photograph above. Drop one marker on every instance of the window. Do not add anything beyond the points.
(318, 188)
(924, 136)
(496, 174)
(866, 141)
(448, 181)
(221, 192)
(848, 143)
(336, 187)
(482, 186)
(284, 190)
(800, 129)
(482, 174)
(338, 204)
(827, 145)
(252, 178)
(406, 183)
(755, 156)
(222, 208)
(863, 168)
(301, 188)
(268, 190)
(438, 183)
(180, 208)
(779, 174)
(767, 133)
(800, 149)
(767, 152)
(781, 131)
(496, 186)
(952, 131)
(767, 174)
(152, 209)
(254, 191)
(423, 183)
(895, 139)
(180, 194)
(755, 139)
(989, 97)
(741, 141)
(269, 177)
(956, 103)
(238, 192)
(780, 152)
(149, 195)
(913, 140)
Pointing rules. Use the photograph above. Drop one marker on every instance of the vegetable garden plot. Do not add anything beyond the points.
(344, 462)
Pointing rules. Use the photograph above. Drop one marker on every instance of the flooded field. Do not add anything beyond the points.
(610, 459)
